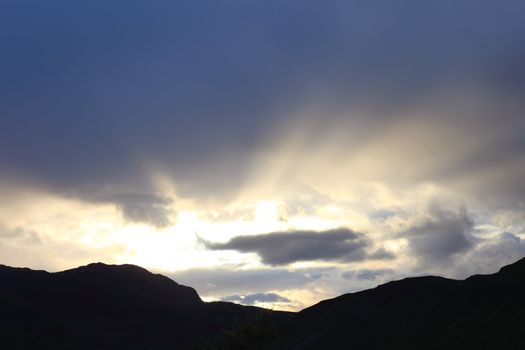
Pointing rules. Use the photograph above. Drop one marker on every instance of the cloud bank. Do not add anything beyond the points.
(196, 90)
(186, 115)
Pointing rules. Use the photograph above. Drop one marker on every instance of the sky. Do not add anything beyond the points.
(272, 153)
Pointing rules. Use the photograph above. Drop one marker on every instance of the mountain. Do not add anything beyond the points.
(102, 306)
(481, 312)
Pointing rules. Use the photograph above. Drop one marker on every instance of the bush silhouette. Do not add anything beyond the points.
(254, 332)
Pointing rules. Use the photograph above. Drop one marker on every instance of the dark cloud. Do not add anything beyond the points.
(252, 299)
(441, 238)
(146, 207)
(90, 91)
(280, 248)
(368, 274)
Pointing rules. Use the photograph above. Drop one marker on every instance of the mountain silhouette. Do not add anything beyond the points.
(481, 312)
(102, 306)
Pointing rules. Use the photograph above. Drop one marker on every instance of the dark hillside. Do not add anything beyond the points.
(483, 311)
(107, 307)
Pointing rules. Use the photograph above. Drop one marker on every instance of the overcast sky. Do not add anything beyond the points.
(265, 152)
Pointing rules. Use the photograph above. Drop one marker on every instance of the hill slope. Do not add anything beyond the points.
(126, 307)
(107, 307)
(482, 312)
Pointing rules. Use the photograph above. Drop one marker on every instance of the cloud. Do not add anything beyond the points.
(234, 102)
(381, 254)
(368, 274)
(280, 248)
(20, 235)
(436, 241)
(253, 299)
(103, 104)
(227, 281)
(151, 208)
(490, 255)
(382, 214)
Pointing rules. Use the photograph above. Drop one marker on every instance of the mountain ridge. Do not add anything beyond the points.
(100, 306)
(482, 311)
(126, 306)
